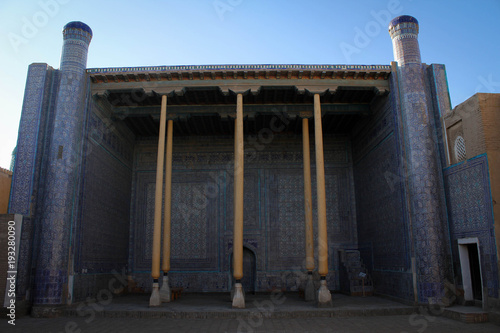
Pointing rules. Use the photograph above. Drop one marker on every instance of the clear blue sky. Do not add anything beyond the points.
(462, 34)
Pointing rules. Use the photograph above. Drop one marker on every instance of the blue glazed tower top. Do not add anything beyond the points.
(404, 34)
(77, 30)
(403, 19)
(77, 36)
(78, 25)
(403, 25)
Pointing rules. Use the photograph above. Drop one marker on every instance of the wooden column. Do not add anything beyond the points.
(165, 292)
(155, 269)
(238, 195)
(324, 295)
(320, 190)
(308, 196)
(238, 298)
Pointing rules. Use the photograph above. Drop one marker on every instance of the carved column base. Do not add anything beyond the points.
(324, 295)
(165, 292)
(310, 291)
(239, 296)
(155, 299)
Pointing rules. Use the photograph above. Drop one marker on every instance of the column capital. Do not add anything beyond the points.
(306, 115)
(240, 89)
(313, 89)
(166, 91)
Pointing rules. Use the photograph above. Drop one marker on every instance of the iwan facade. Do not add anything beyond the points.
(271, 172)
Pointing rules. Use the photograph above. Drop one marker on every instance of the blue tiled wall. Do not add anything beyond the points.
(29, 173)
(202, 214)
(36, 117)
(380, 201)
(470, 214)
(102, 232)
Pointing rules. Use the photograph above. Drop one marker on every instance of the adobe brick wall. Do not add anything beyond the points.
(466, 120)
(5, 182)
(490, 110)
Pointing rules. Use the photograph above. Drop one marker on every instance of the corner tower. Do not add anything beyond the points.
(421, 165)
(404, 33)
(54, 264)
(77, 37)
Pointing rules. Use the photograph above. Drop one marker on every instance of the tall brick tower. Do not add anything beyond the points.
(422, 163)
(64, 156)
(404, 34)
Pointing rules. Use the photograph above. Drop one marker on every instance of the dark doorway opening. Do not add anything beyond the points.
(475, 271)
(249, 270)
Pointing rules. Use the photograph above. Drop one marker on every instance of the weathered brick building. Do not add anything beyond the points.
(5, 183)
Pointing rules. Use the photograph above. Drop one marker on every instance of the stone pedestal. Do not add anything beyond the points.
(239, 296)
(233, 291)
(324, 296)
(165, 292)
(310, 291)
(155, 299)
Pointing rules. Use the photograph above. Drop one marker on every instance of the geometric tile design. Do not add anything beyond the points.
(64, 161)
(193, 223)
(27, 145)
(194, 239)
(380, 203)
(290, 211)
(425, 186)
(439, 100)
(470, 215)
(380, 208)
(189, 241)
(202, 186)
(103, 230)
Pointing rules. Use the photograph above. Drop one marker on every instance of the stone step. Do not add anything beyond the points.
(466, 314)
(194, 306)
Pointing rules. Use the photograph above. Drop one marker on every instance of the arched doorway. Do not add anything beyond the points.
(249, 270)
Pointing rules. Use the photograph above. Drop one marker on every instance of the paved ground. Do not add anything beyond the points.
(213, 313)
(384, 324)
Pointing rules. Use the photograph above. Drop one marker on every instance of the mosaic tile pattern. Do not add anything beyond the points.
(273, 203)
(404, 33)
(470, 215)
(37, 85)
(425, 186)
(103, 229)
(24, 282)
(61, 188)
(380, 202)
(437, 90)
(380, 208)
